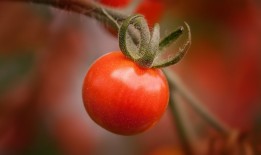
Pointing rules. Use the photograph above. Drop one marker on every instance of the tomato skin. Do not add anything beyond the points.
(122, 97)
(115, 3)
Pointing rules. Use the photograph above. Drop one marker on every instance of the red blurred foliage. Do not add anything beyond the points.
(17, 132)
(72, 134)
(152, 10)
(49, 86)
(23, 92)
(166, 150)
(62, 111)
(20, 29)
(226, 73)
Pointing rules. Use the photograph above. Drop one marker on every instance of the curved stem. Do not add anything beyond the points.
(123, 39)
(176, 83)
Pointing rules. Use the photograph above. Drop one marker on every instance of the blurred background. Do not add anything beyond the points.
(45, 54)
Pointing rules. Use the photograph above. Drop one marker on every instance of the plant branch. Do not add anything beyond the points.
(175, 82)
(180, 126)
(85, 7)
(137, 32)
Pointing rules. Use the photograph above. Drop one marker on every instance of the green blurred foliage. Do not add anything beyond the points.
(13, 68)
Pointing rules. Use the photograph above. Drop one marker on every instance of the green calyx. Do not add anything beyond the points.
(145, 48)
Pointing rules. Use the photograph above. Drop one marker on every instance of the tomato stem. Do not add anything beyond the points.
(85, 7)
(141, 52)
(175, 83)
(148, 47)
(180, 126)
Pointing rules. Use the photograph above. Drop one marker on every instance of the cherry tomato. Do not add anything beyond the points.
(123, 97)
(115, 3)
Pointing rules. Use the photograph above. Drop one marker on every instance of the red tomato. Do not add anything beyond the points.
(122, 97)
(115, 3)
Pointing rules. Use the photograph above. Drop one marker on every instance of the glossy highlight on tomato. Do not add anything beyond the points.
(123, 97)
